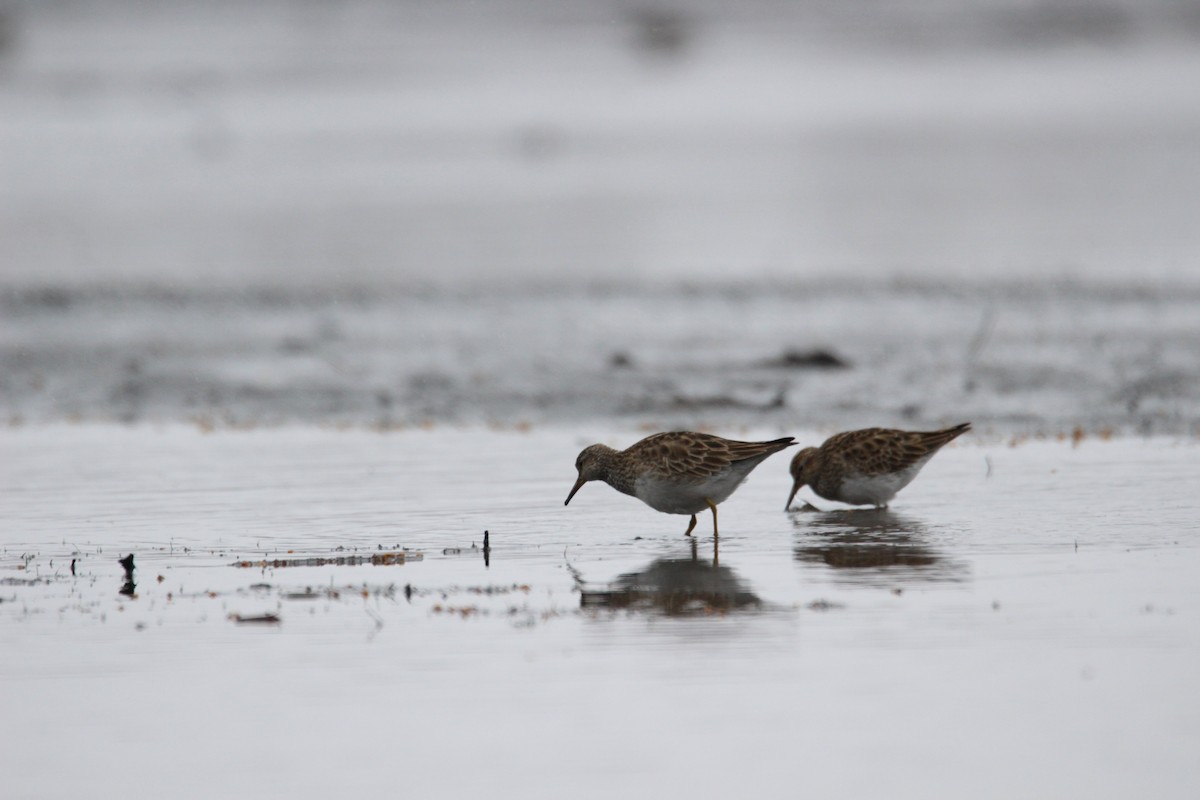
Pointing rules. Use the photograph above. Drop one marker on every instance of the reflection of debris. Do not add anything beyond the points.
(473, 550)
(261, 619)
(807, 359)
(445, 593)
(337, 592)
(458, 551)
(523, 616)
(824, 605)
(376, 559)
(462, 611)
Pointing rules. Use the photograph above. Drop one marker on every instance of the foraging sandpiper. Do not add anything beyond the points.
(867, 467)
(678, 472)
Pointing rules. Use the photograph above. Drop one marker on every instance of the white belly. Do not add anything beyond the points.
(876, 490)
(686, 498)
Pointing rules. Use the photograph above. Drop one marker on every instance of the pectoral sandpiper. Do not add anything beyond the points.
(678, 472)
(867, 467)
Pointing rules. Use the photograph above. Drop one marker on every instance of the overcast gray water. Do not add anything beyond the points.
(1021, 622)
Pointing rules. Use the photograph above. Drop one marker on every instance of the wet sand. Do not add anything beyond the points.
(1014, 357)
(1022, 622)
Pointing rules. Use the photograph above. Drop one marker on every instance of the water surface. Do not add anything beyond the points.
(1021, 622)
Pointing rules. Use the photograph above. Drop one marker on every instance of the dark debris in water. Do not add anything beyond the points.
(807, 359)
(375, 559)
(259, 619)
(620, 360)
(23, 581)
(128, 587)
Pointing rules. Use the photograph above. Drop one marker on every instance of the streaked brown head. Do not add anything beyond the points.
(804, 471)
(592, 465)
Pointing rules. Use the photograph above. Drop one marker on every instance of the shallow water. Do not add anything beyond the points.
(1022, 622)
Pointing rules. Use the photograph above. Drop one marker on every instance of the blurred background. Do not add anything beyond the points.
(659, 212)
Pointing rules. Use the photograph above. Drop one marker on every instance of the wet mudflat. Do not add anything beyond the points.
(312, 613)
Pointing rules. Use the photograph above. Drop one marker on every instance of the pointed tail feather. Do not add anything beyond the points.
(741, 451)
(939, 438)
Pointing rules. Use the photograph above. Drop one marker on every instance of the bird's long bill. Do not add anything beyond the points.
(578, 485)
(795, 488)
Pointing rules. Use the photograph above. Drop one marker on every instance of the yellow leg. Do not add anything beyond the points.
(713, 506)
(691, 525)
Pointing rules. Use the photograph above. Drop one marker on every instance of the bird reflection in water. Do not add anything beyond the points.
(873, 546)
(677, 587)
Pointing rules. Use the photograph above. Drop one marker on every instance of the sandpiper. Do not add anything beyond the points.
(867, 467)
(679, 472)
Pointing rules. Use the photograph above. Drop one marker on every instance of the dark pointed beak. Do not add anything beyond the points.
(795, 488)
(578, 485)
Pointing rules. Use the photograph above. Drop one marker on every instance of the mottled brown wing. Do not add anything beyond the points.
(685, 455)
(875, 451)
